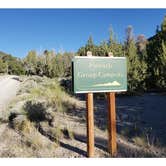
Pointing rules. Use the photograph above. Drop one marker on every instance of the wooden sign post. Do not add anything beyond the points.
(90, 121)
(112, 144)
(92, 74)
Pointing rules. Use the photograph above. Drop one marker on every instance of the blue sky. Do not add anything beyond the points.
(22, 30)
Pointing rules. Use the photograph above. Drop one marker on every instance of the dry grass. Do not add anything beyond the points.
(33, 144)
(140, 141)
(22, 124)
(40, 121)
(36, 103)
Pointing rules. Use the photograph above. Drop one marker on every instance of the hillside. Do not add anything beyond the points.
(10, 65)
(44, 121)
(2, 53)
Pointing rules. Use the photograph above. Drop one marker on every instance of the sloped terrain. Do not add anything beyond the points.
(44, 121)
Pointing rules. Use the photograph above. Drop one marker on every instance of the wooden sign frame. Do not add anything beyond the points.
(112, 142)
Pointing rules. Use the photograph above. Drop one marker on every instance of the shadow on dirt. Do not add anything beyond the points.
(143, 116)
(123, 150)
(16, 78)
(74, 149)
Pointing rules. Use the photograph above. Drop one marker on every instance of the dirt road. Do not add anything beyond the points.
(8, 89)
(9, 86)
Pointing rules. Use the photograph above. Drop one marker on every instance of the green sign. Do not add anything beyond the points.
(99, 74)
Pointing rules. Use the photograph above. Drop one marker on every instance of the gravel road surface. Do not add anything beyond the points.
(8, 89)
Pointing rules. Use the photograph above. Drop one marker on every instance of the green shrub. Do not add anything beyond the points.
(38, 111)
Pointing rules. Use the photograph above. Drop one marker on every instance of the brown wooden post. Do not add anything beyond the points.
(90, 121)
(112, 144)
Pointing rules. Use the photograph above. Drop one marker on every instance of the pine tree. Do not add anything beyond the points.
(113, 45)
(103, 49)
(156, 58)
(136, 69)
(161, 82)
(81, 51)
(163, 25)
(90, 45)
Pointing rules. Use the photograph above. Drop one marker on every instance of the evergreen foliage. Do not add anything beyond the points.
(111, 45)
(136, 67)
(3, 67)
(134, 51)
(48, 64)
(156, 59)
(10, 64)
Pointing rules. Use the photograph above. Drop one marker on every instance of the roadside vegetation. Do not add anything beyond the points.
(34, 115)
